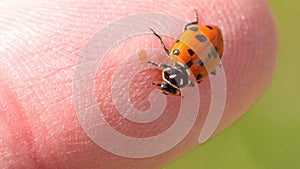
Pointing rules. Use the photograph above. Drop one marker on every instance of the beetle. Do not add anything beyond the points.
(196, 53)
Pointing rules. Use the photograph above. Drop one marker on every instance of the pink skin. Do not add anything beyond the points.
(39, 46)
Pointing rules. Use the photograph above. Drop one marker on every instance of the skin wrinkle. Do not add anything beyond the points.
(22, 146)
(31, 86)
(45, 43)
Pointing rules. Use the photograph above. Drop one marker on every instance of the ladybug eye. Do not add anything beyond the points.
(176, 52)
(163, 85)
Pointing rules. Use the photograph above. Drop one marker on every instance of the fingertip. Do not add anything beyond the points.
(250, 54)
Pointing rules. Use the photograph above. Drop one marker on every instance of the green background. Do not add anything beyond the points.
(268, 135)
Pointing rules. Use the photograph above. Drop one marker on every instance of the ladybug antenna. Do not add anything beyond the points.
(192, 23)
(156, 84)
(196, 16)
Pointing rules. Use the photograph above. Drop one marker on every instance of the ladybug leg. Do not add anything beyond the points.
(162, 91)
(194, 22)
(165, 93)
(179, 94)
(161, 41)
(161, 65)
(214, 72)
(191, 84)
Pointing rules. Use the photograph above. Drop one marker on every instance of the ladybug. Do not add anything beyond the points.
(196, 54)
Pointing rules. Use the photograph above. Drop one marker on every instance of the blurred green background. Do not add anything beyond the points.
(268, 135)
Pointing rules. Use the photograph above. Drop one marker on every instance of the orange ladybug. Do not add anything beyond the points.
(196, 53)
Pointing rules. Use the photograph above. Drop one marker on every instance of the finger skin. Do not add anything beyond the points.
(39, 46)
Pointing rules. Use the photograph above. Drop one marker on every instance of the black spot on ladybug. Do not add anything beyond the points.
(214, 52)
(201, 38)
(208, 55)
(176, 52)
(199, 76)
(189, 63)
(194, 29)
(209, 27)
(200, 62)
(191, 52)
(216, 49)
(177, 41)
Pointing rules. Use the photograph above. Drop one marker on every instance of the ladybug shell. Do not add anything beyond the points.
(200, 49)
